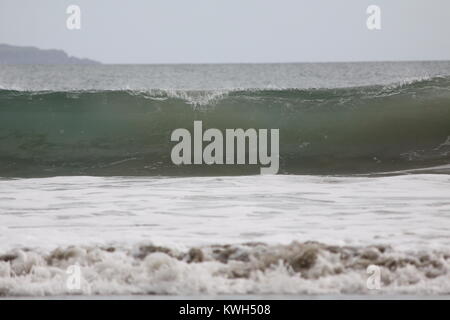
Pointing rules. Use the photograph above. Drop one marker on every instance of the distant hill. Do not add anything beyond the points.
(31, 55)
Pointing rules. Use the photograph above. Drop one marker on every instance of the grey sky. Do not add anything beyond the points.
(196, 31)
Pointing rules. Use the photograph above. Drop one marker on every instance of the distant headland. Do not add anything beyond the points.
(31, 55)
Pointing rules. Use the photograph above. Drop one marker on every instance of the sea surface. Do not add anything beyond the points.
(86, 180)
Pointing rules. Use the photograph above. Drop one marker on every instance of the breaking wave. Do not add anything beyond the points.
(322, 131)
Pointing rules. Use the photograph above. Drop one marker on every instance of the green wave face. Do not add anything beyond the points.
(322, 131)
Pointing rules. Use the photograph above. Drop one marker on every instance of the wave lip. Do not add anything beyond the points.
(251, 268)
(355, 130)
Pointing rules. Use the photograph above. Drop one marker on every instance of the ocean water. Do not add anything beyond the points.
(86, 179)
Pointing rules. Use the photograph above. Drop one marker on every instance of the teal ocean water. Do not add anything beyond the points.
(87, 120)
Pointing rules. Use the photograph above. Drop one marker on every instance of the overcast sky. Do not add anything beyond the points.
(214, 31)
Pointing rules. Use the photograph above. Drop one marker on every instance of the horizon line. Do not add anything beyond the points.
(272, 62)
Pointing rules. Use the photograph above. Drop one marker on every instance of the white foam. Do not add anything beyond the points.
(409, 213)
(406, 211)
(266, 271)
